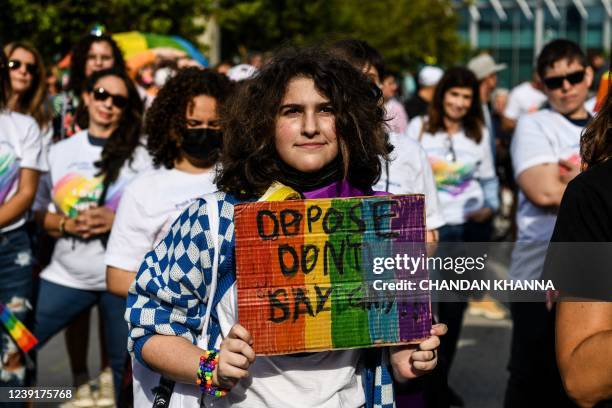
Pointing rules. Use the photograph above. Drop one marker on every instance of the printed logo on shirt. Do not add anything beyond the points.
(452, 177)
(75, 192)
(9, 170)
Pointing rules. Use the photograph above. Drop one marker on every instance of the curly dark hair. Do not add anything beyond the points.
(473, 122)
(596, 140)
(122, 143)
(250, 161)
(78, 60)
(165, 119)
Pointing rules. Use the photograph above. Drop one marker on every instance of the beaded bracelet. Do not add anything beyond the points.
(208, 362)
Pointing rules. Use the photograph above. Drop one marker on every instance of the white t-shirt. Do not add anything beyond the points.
(409, 172)
(542, 137)
(149, 206)
(457, 182)
(74, 186)
(323, 380)
(20, 147)
(524, 98)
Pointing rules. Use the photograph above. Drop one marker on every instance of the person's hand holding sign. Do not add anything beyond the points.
(235, 358)
(417, 359)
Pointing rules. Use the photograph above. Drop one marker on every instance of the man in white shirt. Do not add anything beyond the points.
(545, 154)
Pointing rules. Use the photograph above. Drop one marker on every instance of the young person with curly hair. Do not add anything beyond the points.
(87, 175)
(315, 124)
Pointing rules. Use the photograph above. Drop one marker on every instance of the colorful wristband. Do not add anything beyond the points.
(208, 362)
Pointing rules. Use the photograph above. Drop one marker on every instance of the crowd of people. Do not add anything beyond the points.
(119, 190)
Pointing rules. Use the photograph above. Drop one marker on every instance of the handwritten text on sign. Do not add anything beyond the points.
(304, 273)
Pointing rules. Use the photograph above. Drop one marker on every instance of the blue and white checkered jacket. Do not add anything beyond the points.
(170, 292)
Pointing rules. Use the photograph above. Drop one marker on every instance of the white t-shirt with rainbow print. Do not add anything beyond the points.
(20, 147)
(73, 186)
(457, 163)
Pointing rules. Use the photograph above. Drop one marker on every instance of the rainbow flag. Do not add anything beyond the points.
(22, 336)
(305, 277)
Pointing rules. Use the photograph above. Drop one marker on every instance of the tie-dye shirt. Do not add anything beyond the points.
(20, 147)
(73, 186)
(458, 163)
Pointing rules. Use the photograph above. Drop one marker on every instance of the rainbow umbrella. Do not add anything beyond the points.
(22, 336)
(134, 42)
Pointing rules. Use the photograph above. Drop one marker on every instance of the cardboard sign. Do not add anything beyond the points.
(304, 273)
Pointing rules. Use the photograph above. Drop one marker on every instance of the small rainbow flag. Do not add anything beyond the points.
(22, 336)
(305, 273)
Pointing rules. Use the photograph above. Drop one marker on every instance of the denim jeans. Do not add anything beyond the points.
(57, 306)
(15, 293)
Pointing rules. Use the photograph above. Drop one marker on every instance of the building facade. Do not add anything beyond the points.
(514, 31)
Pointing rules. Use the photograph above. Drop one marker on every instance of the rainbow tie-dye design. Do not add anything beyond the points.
(454, 177)
(22, 336)
(9, 171)
(75, 192)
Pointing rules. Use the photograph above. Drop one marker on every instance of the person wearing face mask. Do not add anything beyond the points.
(185, 140)
(86, 178)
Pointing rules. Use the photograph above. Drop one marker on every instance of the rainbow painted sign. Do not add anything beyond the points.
(305, 275)
(22, 336)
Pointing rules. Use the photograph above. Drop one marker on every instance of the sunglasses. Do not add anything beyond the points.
(556, 82)
(16, 64)
(101, 94)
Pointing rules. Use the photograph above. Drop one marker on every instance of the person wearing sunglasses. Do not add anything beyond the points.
(21, 162)
(88, 172)
(546, 156)
(28, 82)
(456, 141)
(92, 53)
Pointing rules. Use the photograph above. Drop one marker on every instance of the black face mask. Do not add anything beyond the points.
(203, 145)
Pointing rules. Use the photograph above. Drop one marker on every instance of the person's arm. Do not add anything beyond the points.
(164, 312)
(58, 225)
(132, 236)
(18, 204)
(535, 163)
(118, 281)
(542, 184)
(584, 350)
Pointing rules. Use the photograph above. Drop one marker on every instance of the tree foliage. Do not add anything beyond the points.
(54, 26)
(407, 32)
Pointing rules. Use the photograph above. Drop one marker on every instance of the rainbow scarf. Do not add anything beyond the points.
(22, 336)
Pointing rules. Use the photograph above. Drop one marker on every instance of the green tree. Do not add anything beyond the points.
(407, 32)
(54, 26)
